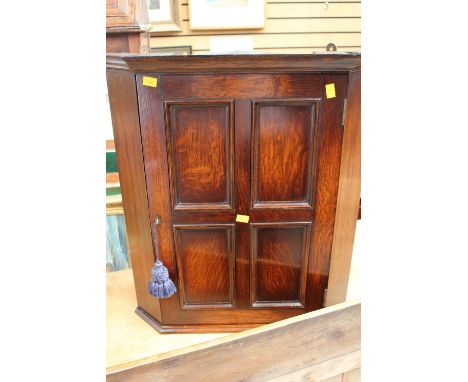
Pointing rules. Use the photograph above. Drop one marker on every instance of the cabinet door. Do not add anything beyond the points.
(262, 145)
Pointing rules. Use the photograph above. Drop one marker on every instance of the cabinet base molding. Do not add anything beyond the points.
(195, 328)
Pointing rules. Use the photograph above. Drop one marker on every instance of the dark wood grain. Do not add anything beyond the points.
(123, 42)
(125, 14)
(280, 253)
(240, 86)
(206, 255)
(256, 215)
(199, 122)
(317, 62)
(217, 143)
(153, 137)
(124, 25)
(331, 134)
(348, 205)
(282, 153)
(191, 328)
(242, 181)
(201, 319)
(126, 125)
(200, 149)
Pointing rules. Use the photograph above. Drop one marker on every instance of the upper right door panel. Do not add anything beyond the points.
(284, 136)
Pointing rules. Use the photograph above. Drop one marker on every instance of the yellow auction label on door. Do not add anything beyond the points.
(242, 218)
(150, 81)
(330, 90)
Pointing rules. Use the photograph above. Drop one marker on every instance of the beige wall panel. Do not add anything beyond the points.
(184, 12)
(299, 50)
(290, 27)
(292, 50)
(312, 1)
(287, 26)
(312, 25)
(294, 10)
(267, 41)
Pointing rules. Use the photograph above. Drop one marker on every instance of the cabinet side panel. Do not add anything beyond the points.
(328, 173)
(151, 109)
(126, 125)
(349, 192)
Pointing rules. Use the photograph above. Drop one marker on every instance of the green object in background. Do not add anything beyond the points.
(111, 166)
(116, 244)
(113, 191)
(111, 162)
(117, 253)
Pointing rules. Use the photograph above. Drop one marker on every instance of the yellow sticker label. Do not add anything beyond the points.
(330, 90)
(150, 81)
(242, 218)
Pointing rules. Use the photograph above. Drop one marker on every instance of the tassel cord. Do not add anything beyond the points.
(155, 239)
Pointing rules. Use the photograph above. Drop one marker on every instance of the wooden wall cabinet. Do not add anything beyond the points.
(127, 27)
(256, 135)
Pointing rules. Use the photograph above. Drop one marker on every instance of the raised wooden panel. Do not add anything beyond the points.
(200, 154)
(205, 259)
(279, 255)
(283, 152)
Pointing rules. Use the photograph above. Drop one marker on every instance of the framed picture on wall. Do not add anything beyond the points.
(164, 15)
(227, 14)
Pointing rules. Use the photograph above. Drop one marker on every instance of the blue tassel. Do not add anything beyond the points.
(160, 285)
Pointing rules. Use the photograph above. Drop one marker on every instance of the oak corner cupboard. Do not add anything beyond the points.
(251, 163)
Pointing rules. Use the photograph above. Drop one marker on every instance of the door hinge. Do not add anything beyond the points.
(344, 112)
(325, 297)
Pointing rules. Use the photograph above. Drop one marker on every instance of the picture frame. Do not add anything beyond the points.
(163, 16)
(227, 14)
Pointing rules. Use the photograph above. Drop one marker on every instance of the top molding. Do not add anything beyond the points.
(316, 62)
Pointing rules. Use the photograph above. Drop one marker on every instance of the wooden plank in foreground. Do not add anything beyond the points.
(310, 347)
